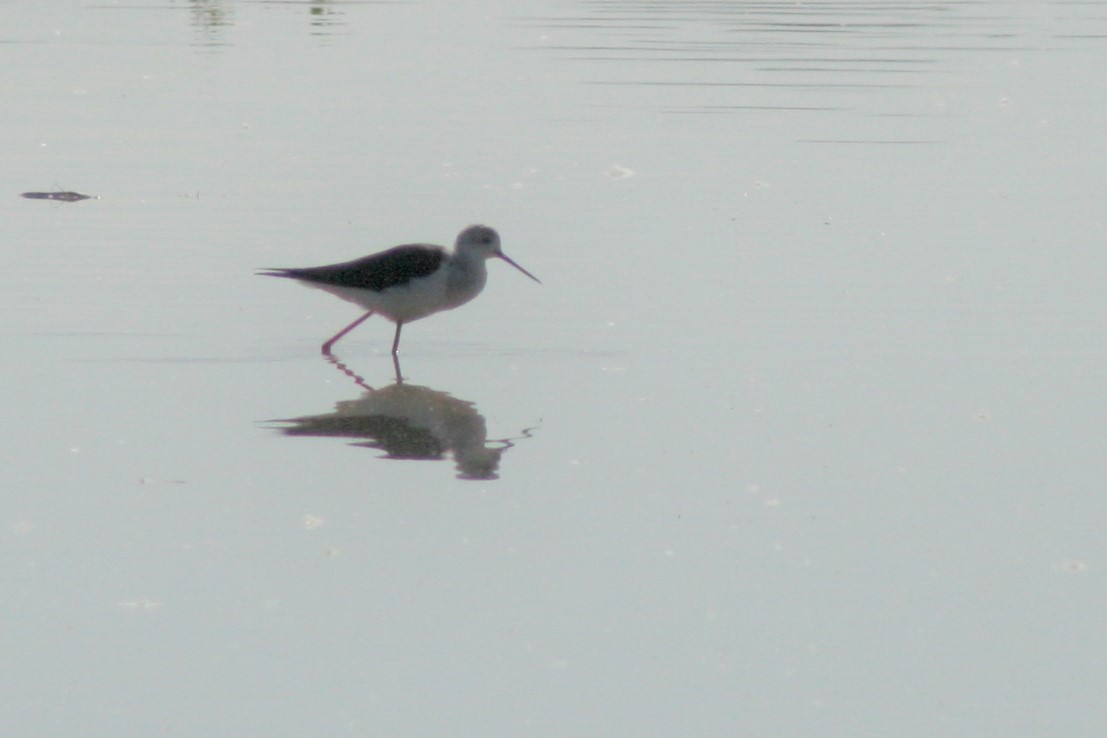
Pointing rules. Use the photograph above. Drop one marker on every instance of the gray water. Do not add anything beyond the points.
(803, 435)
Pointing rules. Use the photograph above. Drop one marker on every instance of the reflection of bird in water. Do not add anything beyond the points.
(409, 282)
(409, 422)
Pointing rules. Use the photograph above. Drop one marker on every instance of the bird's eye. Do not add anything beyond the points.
(486, 238)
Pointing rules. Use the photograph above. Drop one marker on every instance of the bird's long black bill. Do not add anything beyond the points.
(524, 271)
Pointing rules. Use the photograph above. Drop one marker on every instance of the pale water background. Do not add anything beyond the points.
(804, 435)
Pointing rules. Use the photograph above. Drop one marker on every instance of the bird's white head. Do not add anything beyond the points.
(478, 240)
(483, 242)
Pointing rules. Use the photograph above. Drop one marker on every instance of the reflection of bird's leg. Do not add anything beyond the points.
(348, 372)
(344, 331)
(396, 366)
(396, 340)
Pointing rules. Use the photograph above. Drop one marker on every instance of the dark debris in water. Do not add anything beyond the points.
(62, 196)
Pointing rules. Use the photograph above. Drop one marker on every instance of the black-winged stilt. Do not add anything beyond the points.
(409, 282)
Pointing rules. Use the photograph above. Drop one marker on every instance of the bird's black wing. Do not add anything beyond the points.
(396, 266)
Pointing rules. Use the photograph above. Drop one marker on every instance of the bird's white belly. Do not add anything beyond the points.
(416, 299)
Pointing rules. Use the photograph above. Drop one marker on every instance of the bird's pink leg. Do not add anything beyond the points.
(344, 331)
(396, 340)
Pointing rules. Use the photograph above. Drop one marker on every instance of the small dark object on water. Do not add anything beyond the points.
(63, 196)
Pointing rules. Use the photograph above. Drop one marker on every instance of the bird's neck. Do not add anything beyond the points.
(466, 279)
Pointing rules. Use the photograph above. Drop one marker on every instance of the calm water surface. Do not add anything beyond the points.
(802, 435)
